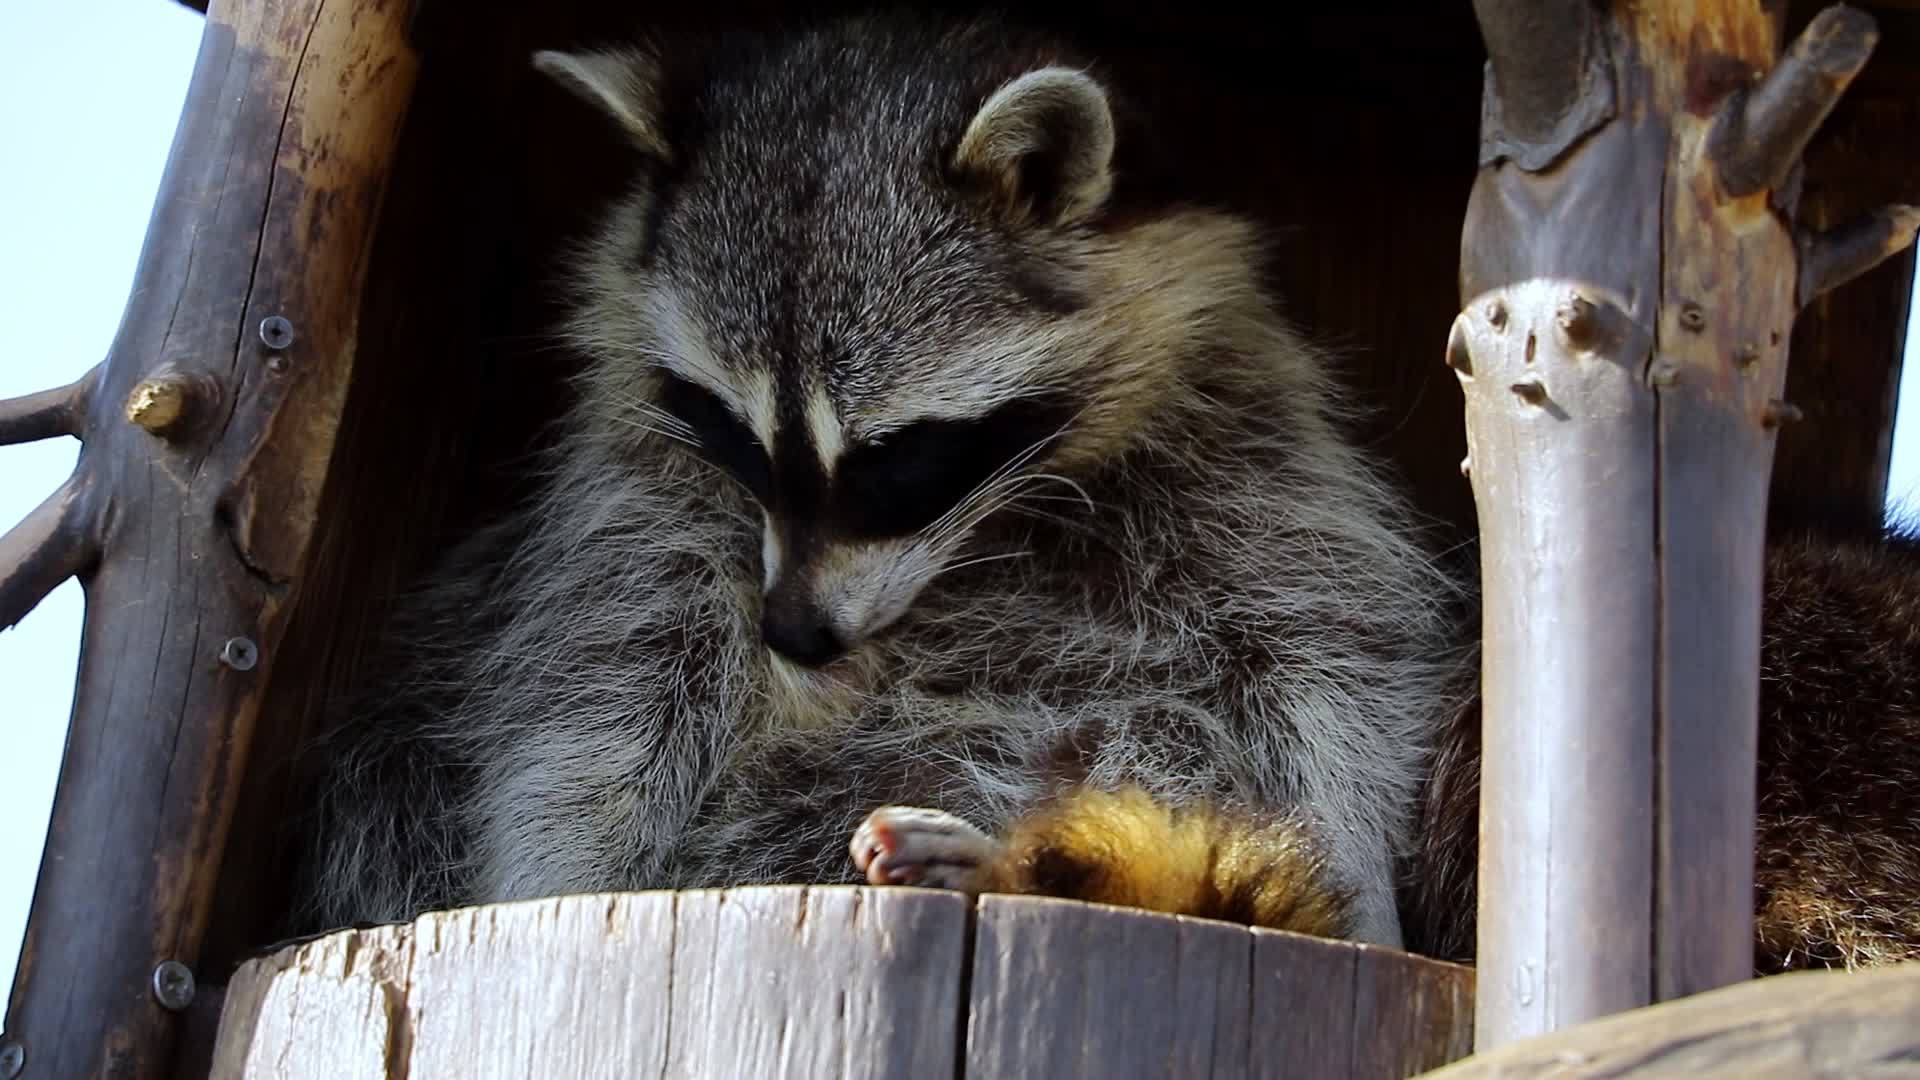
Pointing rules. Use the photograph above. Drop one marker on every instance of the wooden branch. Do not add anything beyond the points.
(47, 414)
(1623, 355)
(1836, 256)
(844, 981)
(1760, 134)
(1547, 84)
(53, 543)
(266, 212)
(1826, 1023)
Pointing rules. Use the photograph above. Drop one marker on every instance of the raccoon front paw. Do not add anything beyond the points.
(908, 845)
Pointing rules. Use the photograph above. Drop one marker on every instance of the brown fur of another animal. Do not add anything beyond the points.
(1837, 845)
(1129, 849)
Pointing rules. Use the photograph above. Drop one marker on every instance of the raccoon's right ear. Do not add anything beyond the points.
(1043, 144)
(624, 84)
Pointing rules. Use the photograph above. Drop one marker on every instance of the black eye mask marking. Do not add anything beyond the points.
(912, 476)
(723, 438)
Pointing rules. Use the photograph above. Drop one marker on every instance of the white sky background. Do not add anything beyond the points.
(90, 92)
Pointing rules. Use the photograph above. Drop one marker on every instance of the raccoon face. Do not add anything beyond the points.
(870, 287)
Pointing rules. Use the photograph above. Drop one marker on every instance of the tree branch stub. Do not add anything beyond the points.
(170, 403)
(1761, 132)
(54, 542)
(1831, 258)
(48, 414)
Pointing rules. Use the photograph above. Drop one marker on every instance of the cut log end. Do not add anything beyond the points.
(168, 403)
(48, 414)
(1761, 134)
(1831, 258)
(52, 544)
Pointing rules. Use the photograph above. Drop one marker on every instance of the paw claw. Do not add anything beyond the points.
(906, 845)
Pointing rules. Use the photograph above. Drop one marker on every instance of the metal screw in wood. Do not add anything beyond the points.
(276, 332)
(240, 654)
(173, 985)
(13, 1058)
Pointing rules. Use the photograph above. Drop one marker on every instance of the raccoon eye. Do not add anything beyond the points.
(904, 483)
(724, 440)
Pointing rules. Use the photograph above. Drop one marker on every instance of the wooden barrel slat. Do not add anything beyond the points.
(840, 981)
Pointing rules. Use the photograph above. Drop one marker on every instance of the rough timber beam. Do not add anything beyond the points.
(207, 435)
(1630, 275)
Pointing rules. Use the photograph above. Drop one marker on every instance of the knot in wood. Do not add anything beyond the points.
(1579, 321)
(1693, 317)
(1781, 412)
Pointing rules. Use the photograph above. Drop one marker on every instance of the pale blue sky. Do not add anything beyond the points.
(90, 91)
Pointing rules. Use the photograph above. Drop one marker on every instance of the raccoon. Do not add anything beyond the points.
(936, 506)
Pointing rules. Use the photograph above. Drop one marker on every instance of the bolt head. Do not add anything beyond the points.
(276, 332)
(240, 654)
(13, 1058)
(173, 985)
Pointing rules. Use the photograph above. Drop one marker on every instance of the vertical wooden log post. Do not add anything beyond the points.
(1630, 275)
(207, 433)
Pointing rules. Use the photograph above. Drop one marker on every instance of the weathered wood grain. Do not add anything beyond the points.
(335, 1006)
(1409, 1016)
(574, 988)
(816, 982)
(1311, 980)
(196, 538)
(1829, 1023)
(1628, 300)
(853, 982)
(1062, 989)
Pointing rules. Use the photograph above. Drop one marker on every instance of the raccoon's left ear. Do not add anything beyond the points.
(624, 84)
(1044, 144)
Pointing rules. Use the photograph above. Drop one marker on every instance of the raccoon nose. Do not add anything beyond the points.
(801, 633)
